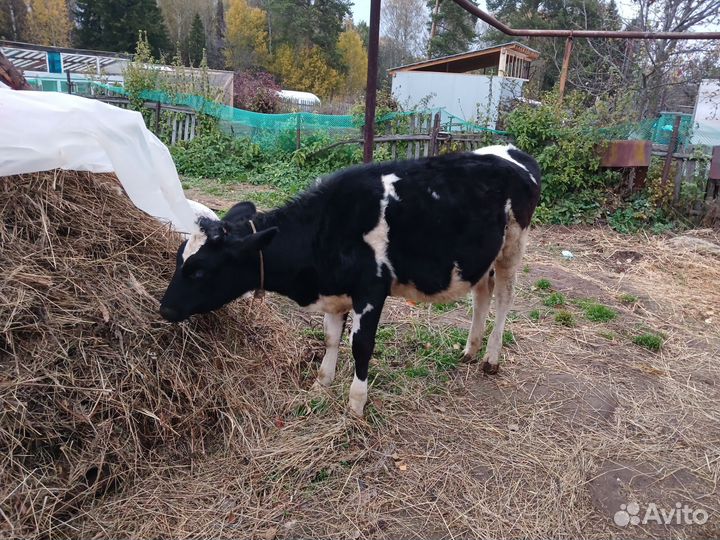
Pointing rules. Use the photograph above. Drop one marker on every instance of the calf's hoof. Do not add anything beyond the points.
(354, 411)
(467, 358)
(490, 369)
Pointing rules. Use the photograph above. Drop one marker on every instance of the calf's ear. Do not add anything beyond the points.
(259, 240)
(240, 212)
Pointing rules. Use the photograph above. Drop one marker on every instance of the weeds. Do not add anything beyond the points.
(554, 300)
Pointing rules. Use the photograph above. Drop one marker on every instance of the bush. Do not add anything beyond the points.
(562, 137)
(256, 91)
(215, 155)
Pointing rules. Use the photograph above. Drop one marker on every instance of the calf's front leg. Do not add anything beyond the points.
(366, 316)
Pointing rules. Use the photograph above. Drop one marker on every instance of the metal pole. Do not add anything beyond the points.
(565, 66)
(372, 74)
(671, 150)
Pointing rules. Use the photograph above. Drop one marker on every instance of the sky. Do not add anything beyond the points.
(361, 11)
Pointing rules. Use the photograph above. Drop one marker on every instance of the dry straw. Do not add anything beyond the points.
(115, 424)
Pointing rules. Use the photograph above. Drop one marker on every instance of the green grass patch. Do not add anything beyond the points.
(526, 269)
(534, 315)
(385, 346)
(554, 300)
(508, 338)
(445, 308)
(317, 405)
(565, 318)
(314, 333)
(650, 341)
(436, 346)
(543, 284)
(599, 313)
(416, 372)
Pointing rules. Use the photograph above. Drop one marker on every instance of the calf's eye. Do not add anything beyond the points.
(197, 274)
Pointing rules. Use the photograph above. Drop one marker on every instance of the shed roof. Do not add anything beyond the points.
(471, 61)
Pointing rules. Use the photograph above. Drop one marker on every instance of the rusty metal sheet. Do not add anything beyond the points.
(625, 154)
(715, 164)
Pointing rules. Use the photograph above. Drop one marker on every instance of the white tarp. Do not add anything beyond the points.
(40, 131)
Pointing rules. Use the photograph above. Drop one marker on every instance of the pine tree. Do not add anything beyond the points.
(113, 25)
(216, 45)
(196, 42)
(452, 29)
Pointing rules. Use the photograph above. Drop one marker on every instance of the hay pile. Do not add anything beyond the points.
(96, 391)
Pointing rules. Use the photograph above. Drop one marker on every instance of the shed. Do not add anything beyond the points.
(469, 85)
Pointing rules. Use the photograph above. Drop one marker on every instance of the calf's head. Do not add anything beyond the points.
(215, 265)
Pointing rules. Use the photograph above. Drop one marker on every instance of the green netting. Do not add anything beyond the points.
(659, 130)
(268, 128)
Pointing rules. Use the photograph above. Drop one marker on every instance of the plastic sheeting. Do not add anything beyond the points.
(40, 131)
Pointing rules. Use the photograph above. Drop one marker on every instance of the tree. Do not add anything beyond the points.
(196, 42)
(216, 39)
(247, 37)
(354, 57)
(306, 23)
(405, 22)
(594, 63)
(364, 31)
(664, 63)
(48, 22)
(13, 20)
(452, 29)
(113, 25)
(306, 70)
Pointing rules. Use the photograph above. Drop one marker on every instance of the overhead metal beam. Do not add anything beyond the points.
(468, 6)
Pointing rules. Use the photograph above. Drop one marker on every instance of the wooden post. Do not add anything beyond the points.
(502, 64)
(434, 135)
(565, 66)
(11, 75)
(69, 82)
(671, 151)
(157, 118)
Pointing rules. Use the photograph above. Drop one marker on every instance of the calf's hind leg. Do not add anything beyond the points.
(482, 294)
(333, 325)
(506, 266)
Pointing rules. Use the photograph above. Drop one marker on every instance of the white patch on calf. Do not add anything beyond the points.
(357, 319)
(377, 238)
(194, 243)
(503, 151)
(358, 395)
(331, 304)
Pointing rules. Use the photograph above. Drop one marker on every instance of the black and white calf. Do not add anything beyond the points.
(429, 230)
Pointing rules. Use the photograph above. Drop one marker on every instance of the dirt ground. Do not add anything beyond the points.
(598, 416)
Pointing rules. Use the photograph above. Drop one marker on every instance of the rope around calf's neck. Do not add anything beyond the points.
(259, 293)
